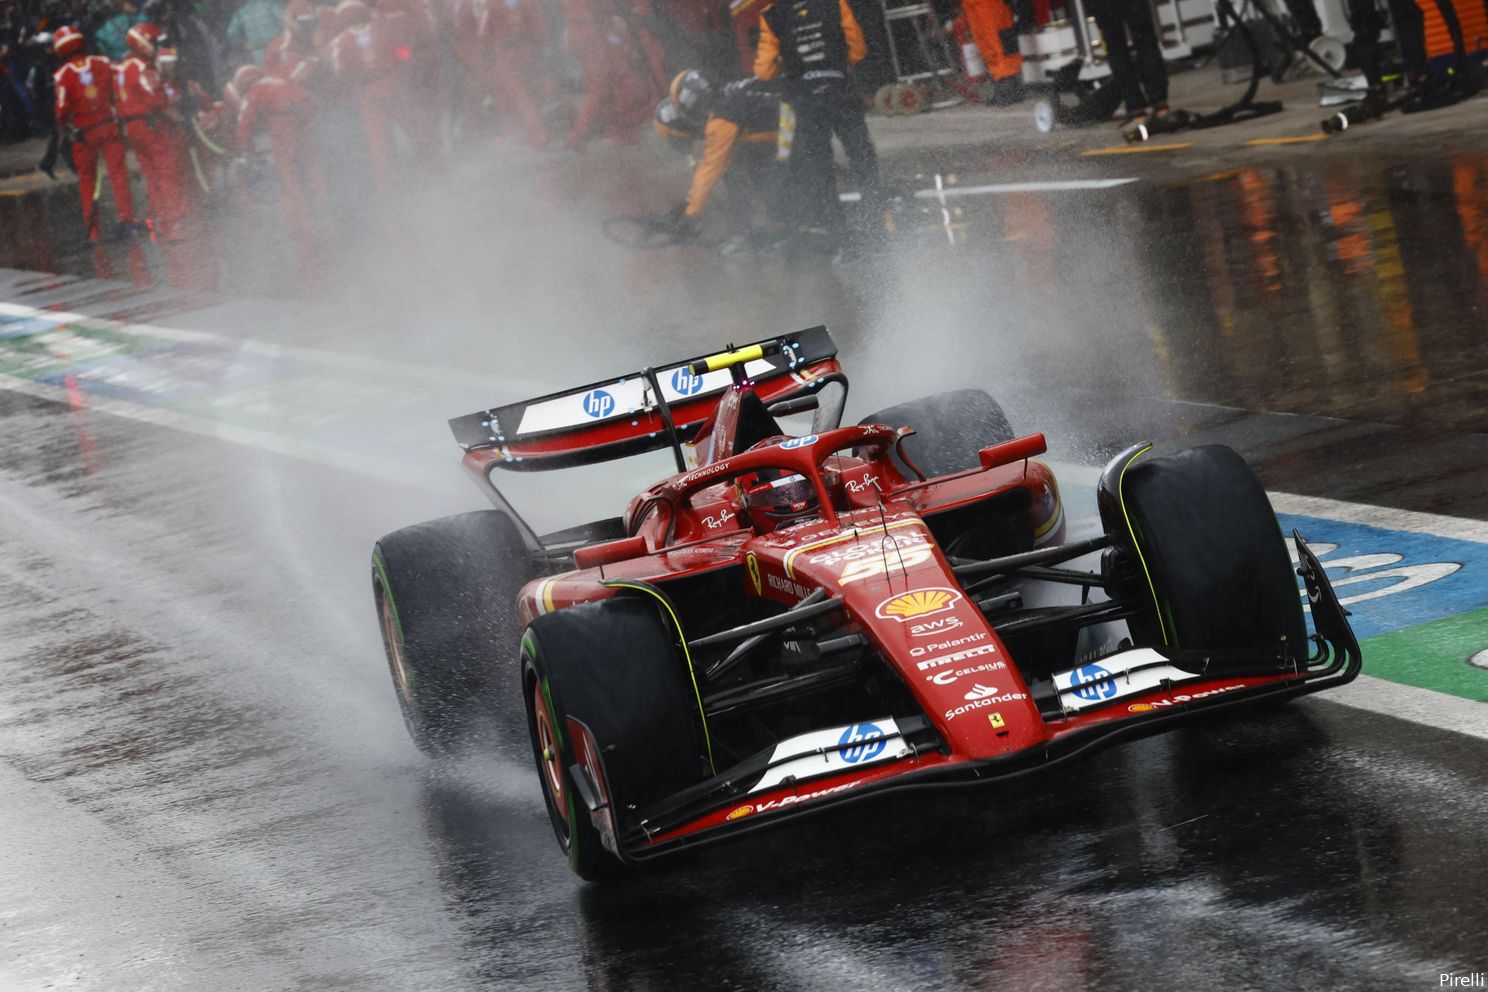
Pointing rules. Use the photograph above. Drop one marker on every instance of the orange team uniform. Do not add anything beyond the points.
(158, 141)
(991, 23)
(813, 45)
(767, 54)
(85, 104)
(747, 112)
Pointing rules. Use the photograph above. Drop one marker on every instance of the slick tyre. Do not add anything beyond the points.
(1210, 562)
(446, 595)
(950, 428)
(614, 670)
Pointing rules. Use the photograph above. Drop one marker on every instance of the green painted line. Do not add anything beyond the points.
(1433, 655)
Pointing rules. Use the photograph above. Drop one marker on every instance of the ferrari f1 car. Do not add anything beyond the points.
(792, 623)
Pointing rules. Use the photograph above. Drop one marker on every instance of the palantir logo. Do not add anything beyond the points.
(1088, 685)
(685, 383)
(867, 740)
(598, 403)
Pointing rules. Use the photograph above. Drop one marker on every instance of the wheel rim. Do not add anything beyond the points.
(548, 758)
(393, 639)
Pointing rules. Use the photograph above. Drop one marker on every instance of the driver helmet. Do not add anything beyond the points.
(775, 496)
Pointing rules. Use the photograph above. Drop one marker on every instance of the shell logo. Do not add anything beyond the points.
(1140, 708)
(742, 811)
(920, 603)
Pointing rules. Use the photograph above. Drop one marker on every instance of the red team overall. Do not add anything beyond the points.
(158, 140)
(85, 106)
(512, 35)
(371, 61)
(284, 108)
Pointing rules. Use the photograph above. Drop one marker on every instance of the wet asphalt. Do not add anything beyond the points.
(205, 779)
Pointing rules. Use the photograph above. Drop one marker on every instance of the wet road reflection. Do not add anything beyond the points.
(1279, 852)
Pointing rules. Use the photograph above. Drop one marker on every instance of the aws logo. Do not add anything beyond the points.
(932, 627)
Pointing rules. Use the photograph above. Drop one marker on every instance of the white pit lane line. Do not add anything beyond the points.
(249, 346)
(946, 192)
(1374, 695)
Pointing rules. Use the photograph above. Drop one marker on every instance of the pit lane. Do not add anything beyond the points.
(208, 785)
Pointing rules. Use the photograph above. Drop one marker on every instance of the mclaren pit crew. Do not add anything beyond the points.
(813, 45)
(738, 126)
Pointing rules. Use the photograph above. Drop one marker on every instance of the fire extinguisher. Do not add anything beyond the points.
(971, 56)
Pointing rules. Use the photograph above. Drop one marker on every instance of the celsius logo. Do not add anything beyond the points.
(862, 742)
(1092, 682)
(949, 677)
(799, 442)
(598, 403)
(685, 383)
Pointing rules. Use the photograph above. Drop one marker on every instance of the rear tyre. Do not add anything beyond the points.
(1205, 552)
(613, 668)
(446, 596)
(950, 428)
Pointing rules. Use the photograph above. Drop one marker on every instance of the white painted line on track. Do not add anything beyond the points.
(250, 346)
(1412, 704)
(994, 189)
(279, 444)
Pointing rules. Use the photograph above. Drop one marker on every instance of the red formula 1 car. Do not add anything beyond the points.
(790, 623)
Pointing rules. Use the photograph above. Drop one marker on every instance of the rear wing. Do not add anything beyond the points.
(619, 417)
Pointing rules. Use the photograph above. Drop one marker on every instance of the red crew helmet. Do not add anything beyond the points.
(67, 41)
(143, 39)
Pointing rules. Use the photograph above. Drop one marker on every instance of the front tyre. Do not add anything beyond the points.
(608, 688)
(1206, 559)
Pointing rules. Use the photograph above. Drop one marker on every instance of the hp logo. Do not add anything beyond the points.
(1087, 683)
(800, 442)
(685, 383)
(598, 403)
(867, 742)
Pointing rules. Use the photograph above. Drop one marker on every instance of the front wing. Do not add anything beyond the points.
(829, 768)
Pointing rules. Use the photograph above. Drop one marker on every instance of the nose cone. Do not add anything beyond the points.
(897, 584)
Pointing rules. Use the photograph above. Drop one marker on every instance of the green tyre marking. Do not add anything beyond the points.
(1157, 604)
(552, 713)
